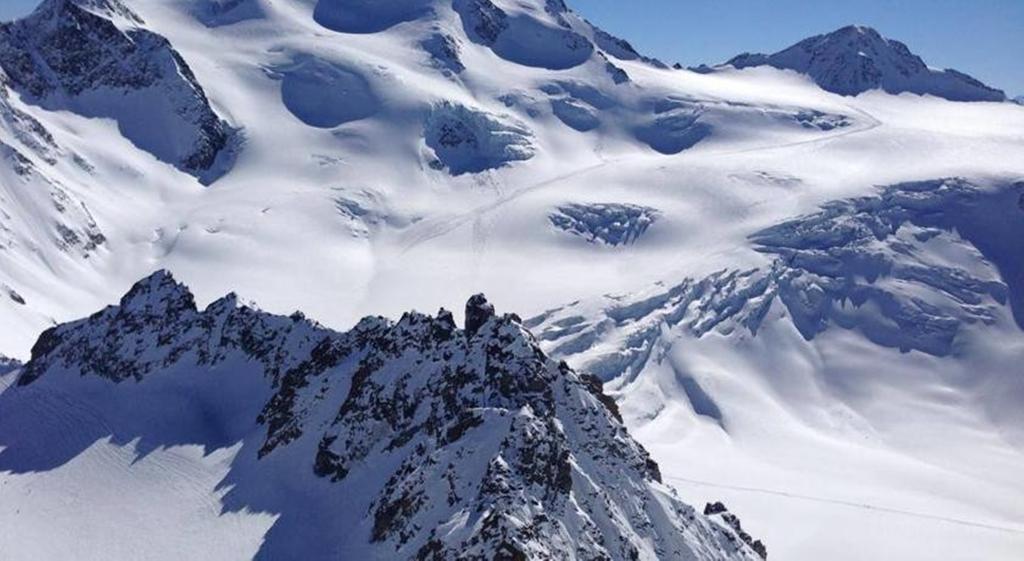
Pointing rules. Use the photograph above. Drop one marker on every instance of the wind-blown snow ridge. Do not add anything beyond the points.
(855, 59)
(877, 265)
(411, 439)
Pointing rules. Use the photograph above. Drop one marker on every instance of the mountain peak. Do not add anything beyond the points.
(478, 311)
(110, 9)
(95, 58)
(158, 294)
(430, 445)
(857, 58)
(857, 29)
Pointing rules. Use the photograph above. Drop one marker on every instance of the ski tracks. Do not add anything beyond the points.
(435, 228)
(849, 504)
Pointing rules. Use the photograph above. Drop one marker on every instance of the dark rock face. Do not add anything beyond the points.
(856, 59)
(718, 510)
(439, 443)
(93, 57)
(478, 311)
(618, 48)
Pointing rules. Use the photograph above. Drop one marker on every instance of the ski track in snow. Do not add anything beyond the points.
(850, 504)
(445, 225)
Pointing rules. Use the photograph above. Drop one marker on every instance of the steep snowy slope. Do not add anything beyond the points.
(397, 440)
(856, 59)
(867, 377)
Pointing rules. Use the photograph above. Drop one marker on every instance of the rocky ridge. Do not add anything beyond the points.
(460, 443)
(96, 58)
(855, 59)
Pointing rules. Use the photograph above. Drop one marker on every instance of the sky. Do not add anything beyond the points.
(984, 38)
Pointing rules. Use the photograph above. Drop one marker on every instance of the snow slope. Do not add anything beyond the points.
(395, 156)
(865, 378)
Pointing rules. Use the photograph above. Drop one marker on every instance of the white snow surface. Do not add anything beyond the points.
(835, 446)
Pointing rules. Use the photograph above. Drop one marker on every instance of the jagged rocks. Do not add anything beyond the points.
(26, 129)
(38, 210)
(616, 47)
(431, 442)
(155, 325)
(718, 511)
(478, 311)
(94, 58)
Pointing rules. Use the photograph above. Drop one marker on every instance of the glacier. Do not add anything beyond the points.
(798, 284)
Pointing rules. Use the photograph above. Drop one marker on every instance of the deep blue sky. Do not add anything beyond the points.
(984, 38)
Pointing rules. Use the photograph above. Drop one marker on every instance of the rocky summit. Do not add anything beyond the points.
(855, 59)
(433, 442)
(96, 57)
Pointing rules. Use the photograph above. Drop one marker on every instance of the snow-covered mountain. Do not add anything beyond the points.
(396, 440)
(842, 355)
(855, 59)
(96, 58)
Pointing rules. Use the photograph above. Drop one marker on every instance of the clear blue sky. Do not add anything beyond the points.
(984, 38)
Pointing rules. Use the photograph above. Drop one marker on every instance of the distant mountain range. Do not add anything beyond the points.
(855, 59)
